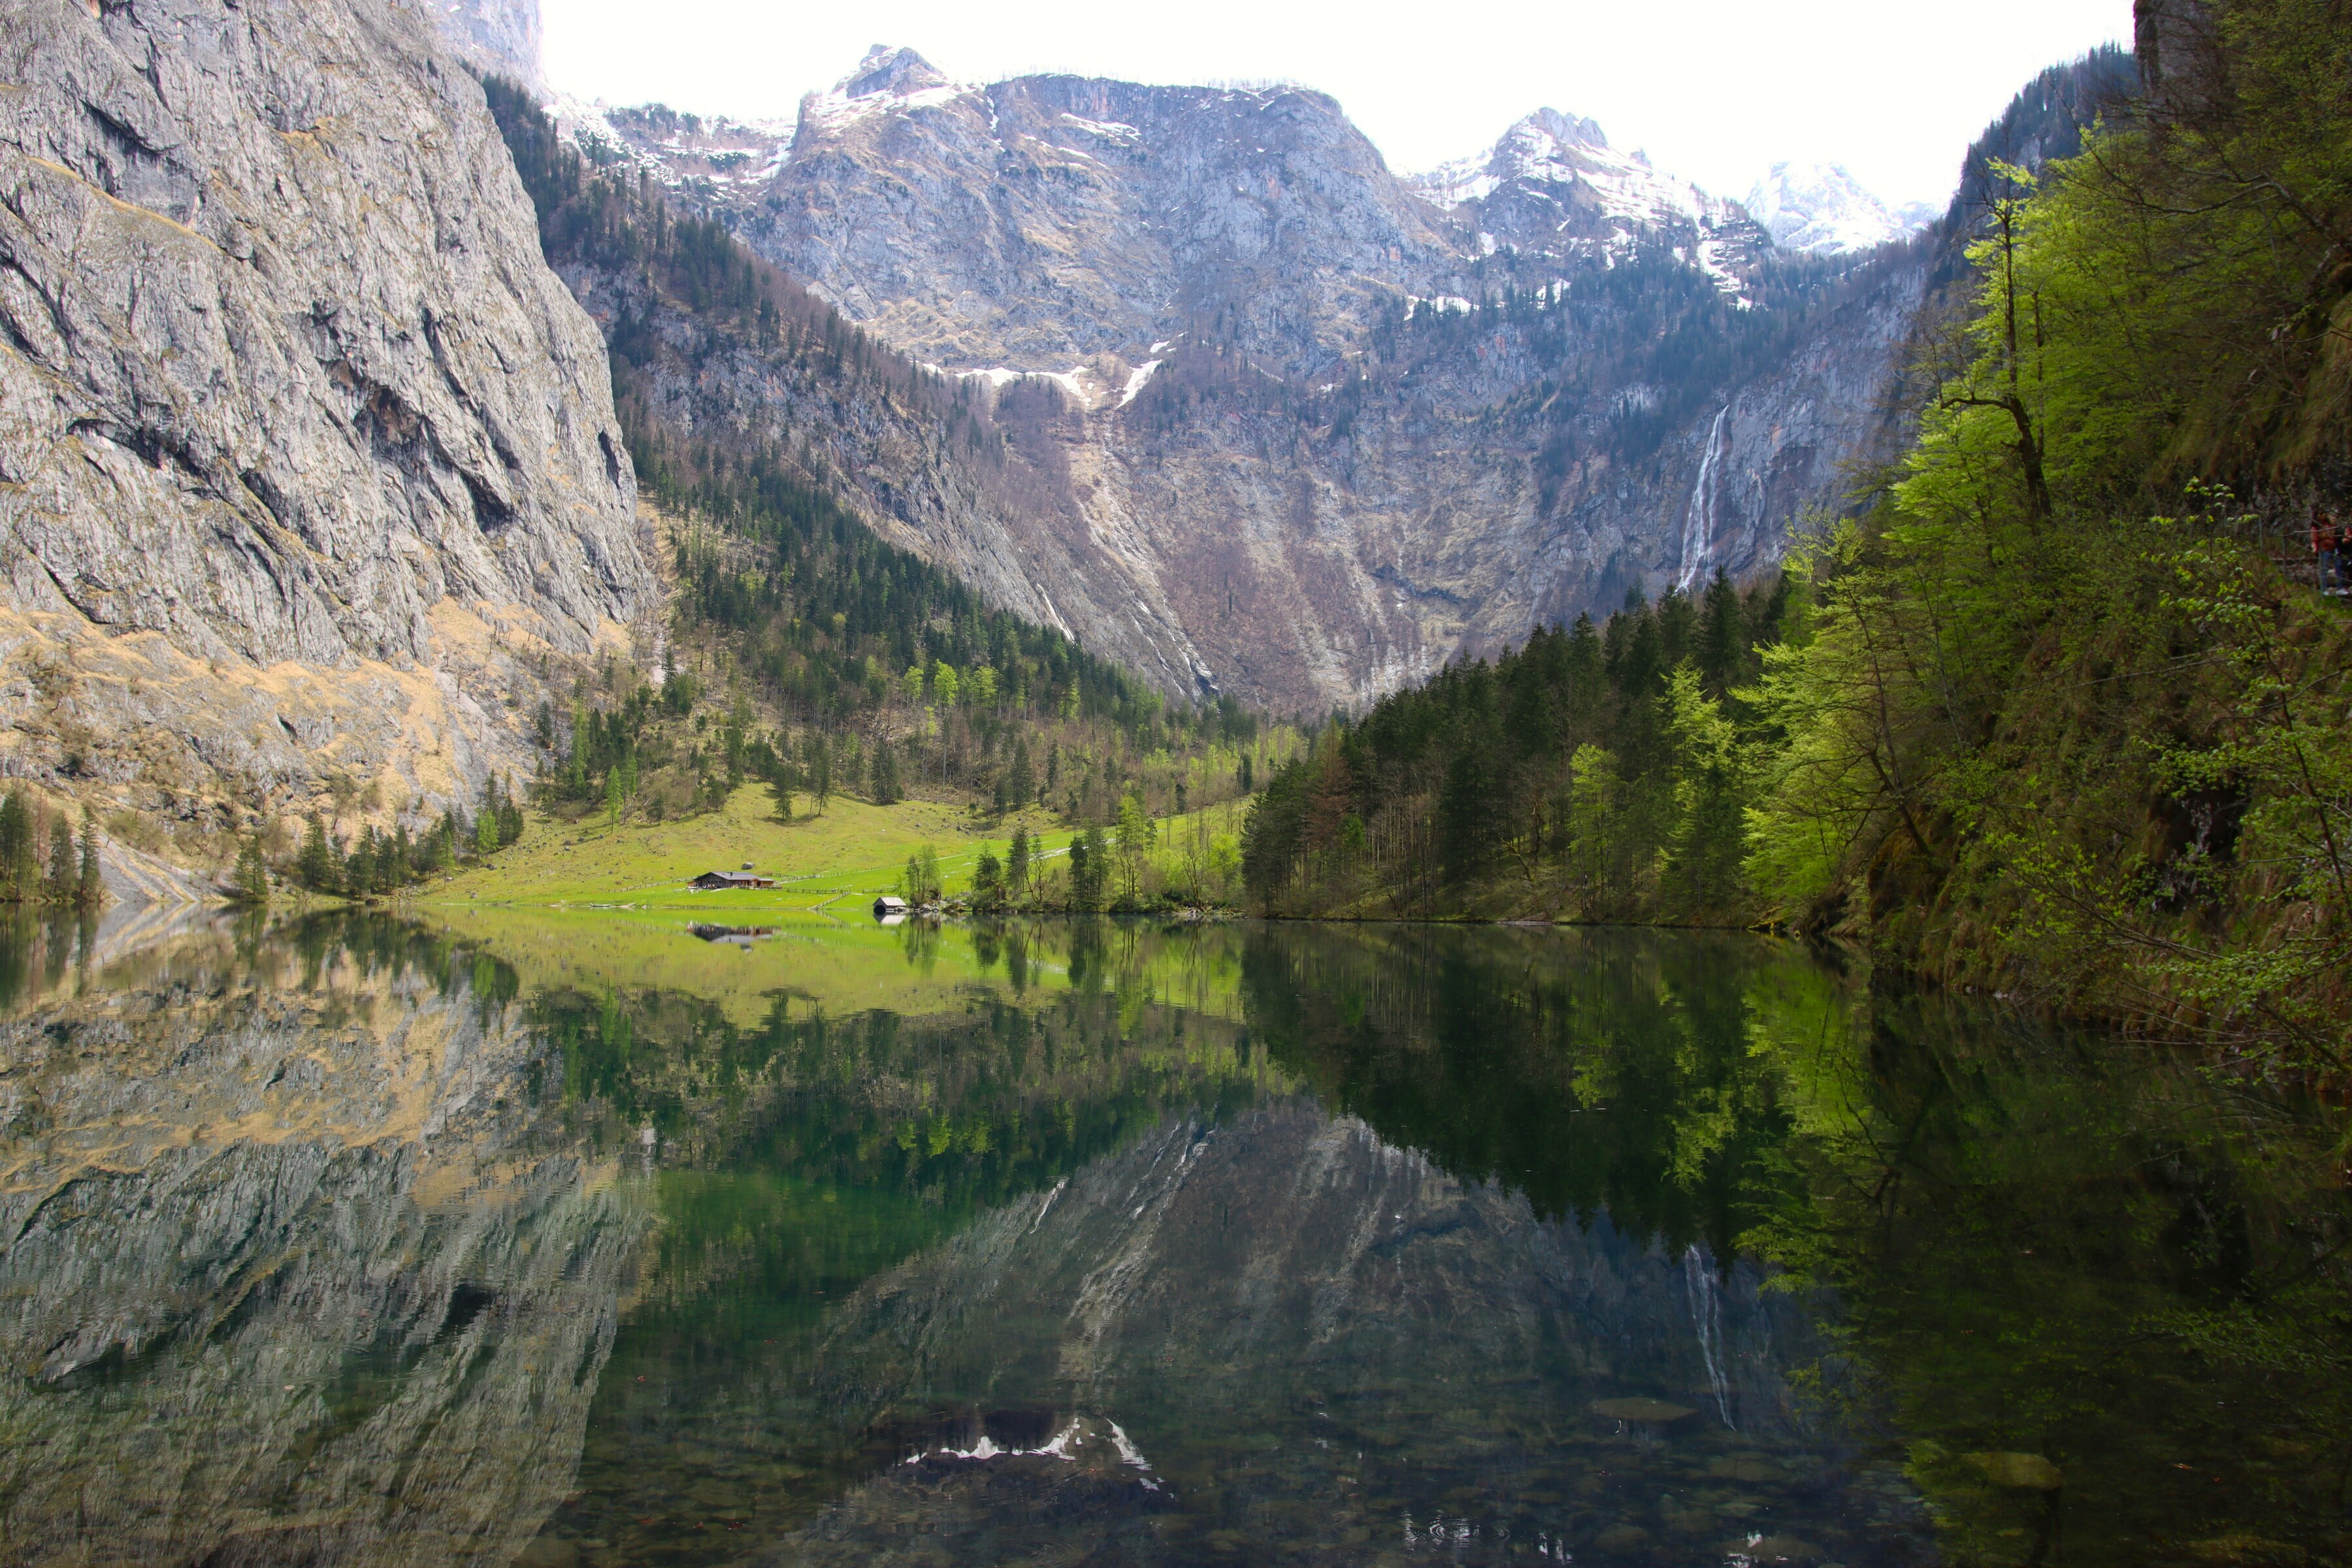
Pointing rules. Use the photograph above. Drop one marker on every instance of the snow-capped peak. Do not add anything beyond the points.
(1822, 209)
(886, 79)
(895, 71)
(1551, 148)
(1553, 186)
(1568, 130)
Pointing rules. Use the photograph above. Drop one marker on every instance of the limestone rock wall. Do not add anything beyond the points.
(286, 395)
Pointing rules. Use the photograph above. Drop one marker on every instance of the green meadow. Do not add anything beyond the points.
(835, 861)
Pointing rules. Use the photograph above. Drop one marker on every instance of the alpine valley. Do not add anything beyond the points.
(323, 417)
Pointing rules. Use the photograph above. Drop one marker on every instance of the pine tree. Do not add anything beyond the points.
(251, 883)
(1019, 784)
(64, 873)
(19, 852)
(1090, 869)
(315, 863)
(91, 894)
(359, 867)
(1016, 863)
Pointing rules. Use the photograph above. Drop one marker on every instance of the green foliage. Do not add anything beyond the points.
(2052, 716)
(1089, 869)
(920, 883)
(90, 893)
(2049, 713)
(20, 853)
(1137, 834)
(59, 883)
(1016, 864)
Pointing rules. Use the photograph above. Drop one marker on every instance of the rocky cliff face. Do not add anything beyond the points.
(307, 462)
(1041, 221)
(503, 36)
(1293, 427)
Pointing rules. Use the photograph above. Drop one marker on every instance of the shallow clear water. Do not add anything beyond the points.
(595, 1239)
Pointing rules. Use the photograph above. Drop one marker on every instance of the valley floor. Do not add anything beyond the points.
(841, 857)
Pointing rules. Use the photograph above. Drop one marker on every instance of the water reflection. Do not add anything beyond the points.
(590, 1241)
(291, 1274)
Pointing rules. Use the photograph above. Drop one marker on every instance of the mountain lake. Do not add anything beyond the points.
(580, 1239)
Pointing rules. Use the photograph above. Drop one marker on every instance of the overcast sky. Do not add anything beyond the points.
(1715, 90)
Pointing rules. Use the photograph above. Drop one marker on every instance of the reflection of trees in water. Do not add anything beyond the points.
(1595, 1071)
(814, 1153)
(37, 952)
(2049, 1251)
(2092, 1253)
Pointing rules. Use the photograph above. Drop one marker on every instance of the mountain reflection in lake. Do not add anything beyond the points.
(577, 1240)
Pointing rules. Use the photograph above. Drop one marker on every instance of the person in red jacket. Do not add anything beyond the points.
(2327, 544)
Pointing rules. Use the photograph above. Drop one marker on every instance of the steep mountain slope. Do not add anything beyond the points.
(1044, 220)
(310, 464)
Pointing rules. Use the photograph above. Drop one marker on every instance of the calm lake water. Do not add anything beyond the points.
(597, 1239)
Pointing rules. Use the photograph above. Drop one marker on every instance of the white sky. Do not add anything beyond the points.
(1715, 90)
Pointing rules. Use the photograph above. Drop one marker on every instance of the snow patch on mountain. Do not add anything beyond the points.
(676, 149)
(1823, 210)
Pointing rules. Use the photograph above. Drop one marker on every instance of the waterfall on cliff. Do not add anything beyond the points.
(1698, 524)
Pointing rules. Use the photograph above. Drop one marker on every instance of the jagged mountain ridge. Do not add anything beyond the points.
(1262, 494)
(310, 464)
(1043, 220)
(1554, 190)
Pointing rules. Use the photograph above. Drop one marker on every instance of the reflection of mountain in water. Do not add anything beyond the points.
(1313, 1338)
(291, 1273)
